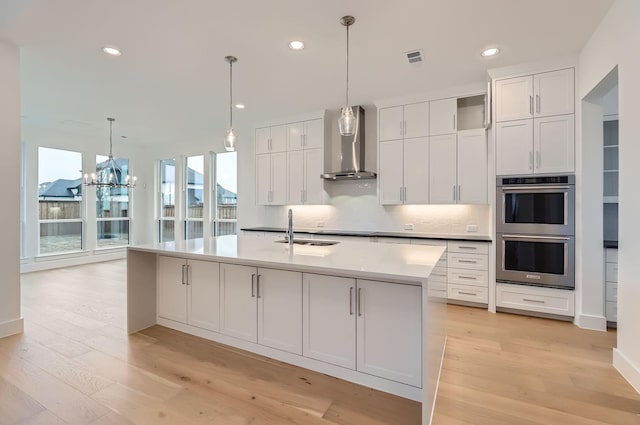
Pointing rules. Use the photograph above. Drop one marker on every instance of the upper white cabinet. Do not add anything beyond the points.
(406, 121)
(289, 163)
(514, 144)
(532, 96)
(458, 167)
(443, 116)
(403, 172)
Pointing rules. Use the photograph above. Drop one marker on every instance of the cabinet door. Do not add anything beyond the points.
(295, 134)
(295, 174)
(554, 93)
(262, 140)
(279, 178)
(514, 147)
(172, 290)
(279, 295)
(442, 169)
(313, 134)
(313, 184)
(390, 171)
(238, 302)
(442, 116)
(472, 167)
(279, 138)
(204, 294)
(416, 120)
(263, 179)
(514, 99)
(328, 318)
(389, 329)
(391, 123)
(416, 171)
(554, 144)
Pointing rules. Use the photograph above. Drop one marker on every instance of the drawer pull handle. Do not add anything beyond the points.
(468, 277)
(533, 301)
(467, 247)
(468, 261)
(473, 294)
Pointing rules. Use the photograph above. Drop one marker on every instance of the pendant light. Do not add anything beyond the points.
(347, 122)
(109, 173)
(230, 138)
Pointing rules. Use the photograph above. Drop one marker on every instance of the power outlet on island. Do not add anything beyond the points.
(408, 226)
(472, 228)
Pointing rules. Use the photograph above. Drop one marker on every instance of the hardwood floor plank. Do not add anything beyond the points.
(43, 418)
(15, 405)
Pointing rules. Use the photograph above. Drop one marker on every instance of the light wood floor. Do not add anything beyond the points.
(75, 365)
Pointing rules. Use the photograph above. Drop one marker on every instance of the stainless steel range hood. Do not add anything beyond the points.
(352, 154)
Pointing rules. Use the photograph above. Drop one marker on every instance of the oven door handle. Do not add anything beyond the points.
(528, 188)
(552, 238)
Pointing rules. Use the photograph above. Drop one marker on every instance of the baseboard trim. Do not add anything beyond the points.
(11, 327)
(627, 369)
(587, 321)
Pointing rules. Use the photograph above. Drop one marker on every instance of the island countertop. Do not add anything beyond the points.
(396, 262)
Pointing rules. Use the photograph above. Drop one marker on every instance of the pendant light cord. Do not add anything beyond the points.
(230, 94)
(347, 90)
(111, 120)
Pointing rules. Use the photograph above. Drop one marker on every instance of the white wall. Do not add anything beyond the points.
(615, 42)
(10, 320)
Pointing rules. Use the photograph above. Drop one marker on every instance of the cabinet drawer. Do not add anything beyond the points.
(469, 247)
(439, 274)
(468, 293)
(542, 300)
(611, 291)
(611, 272)
(467, 261)
(611, 255)
(437, 289)
(611, 311)
(469, 277)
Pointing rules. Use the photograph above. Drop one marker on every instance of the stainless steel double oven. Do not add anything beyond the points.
(535, 230)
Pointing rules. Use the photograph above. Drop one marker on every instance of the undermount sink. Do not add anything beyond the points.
(309, 242)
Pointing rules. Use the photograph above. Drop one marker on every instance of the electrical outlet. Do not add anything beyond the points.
(408, 226)
(320, 224)
(472, 228)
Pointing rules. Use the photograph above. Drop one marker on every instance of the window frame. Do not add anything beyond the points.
(215, 220)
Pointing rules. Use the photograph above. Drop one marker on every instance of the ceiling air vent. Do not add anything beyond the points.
(414, 56)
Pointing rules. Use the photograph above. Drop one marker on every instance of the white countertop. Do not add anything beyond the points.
(395, 262)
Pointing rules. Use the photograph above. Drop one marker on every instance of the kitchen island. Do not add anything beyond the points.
(358, 311)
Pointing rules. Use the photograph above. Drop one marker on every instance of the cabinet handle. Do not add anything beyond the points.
(304, 140)
(533, 301)
(538, 159)
(467, 277)
(253, 292)
(405, 127)
(531, 160)
(454, 192)
(183, 266)
(531, 105)
(401, 195)
(188, 275)
(404, 193)
(351, 301)
(359, 301)
(454, 121)
(305, 195)
(402, 128)
(467, 247)
(258, 286)
(538, 103)
(473, 294)
(459, 192)
(468, 261)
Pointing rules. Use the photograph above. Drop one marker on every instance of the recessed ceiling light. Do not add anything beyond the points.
(240, 106)
(490, 52)
(296, 45)
(111, 51)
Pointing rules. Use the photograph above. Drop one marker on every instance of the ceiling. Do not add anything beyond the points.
(171, 82)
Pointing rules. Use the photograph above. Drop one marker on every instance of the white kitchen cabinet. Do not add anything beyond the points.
(535, 96)
(405, 121)
(271, 139)
(329, 321)
(468, 271)
(189, 292)
(389, 317)
(305, 186)
(304, 135)
(238, 302)
(403, 172)
(514, 147)
(271, 179)
(443, 116)
(553, 144)
(279, 295)
(458, 168)
(295, 169)
(536, 299)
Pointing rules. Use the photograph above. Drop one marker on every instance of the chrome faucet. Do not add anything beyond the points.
(289, 235)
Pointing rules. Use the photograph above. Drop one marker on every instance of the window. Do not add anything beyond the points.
(59, 200)
(112, 208)
(194, 178)
(167, 187)
(225, 220)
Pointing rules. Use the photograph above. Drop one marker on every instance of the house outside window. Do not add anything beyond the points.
(225, 202)
(60, 215)
(112, 207)
(167, 199)
(194, 193)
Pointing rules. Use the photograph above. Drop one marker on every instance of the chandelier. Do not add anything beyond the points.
(109, 173)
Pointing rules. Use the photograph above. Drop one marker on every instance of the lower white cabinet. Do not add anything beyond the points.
(366, 325)
(468, 271)
(189, 292)
(541, 300)
(262, 305)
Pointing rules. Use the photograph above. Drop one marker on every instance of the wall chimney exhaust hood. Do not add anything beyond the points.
(352, 153)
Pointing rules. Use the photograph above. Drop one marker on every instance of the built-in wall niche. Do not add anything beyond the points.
(471, 112)
(610, 166)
